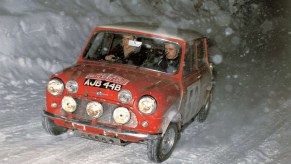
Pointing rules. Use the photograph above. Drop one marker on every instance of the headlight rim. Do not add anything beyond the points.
(63, 87)
(67, 88)
(128, 92)
(155, 101)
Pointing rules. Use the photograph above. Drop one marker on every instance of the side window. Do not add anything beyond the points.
(190, 59)
(200, 52)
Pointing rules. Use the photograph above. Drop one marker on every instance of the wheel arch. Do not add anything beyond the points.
(173, 115)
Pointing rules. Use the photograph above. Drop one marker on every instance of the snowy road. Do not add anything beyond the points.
(249, 121)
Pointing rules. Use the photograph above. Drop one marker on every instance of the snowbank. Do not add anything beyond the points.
(42, 37)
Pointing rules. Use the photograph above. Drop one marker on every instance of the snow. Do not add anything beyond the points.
(267, 26)
(235, 40)
(217, 59)
(249, 121)
(228, 31)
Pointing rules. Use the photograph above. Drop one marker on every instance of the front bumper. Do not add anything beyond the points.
(105, 129)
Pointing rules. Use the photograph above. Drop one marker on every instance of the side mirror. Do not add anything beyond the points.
(212, 71)
(211, 67)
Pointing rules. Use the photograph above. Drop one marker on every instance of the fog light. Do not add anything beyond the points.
(69, 104)
(145, 124)
(121, 115)
(94, 109)
(54, 105)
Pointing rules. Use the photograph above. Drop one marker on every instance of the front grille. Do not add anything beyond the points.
(106, 117)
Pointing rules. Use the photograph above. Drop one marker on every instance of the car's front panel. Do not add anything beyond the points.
(127, 118)
(86, 103)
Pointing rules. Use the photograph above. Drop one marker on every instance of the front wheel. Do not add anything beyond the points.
(160, 149)
(51, 127)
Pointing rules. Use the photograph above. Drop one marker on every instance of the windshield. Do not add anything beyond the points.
(142, 51)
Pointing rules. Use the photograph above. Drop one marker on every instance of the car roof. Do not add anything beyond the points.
(176, 33)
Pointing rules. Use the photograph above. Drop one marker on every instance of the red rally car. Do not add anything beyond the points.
(133, 83)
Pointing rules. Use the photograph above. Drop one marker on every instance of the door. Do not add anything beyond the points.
(203, 68)
(191, 84)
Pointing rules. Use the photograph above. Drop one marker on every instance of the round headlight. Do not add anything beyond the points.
(121, 115)
(94, 109)
(124, 96)
(72, 86)
(69, 104)
(147, 105)
(55, 87)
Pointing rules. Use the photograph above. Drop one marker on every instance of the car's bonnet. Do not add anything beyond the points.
(134, 79)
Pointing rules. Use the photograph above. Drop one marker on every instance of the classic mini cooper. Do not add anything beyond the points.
(133, 83)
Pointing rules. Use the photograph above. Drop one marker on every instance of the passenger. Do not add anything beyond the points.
(170, 62)
(125, 53)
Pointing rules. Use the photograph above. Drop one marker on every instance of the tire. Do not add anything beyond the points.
(51, 127)
(159, 150)
(203, 113)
